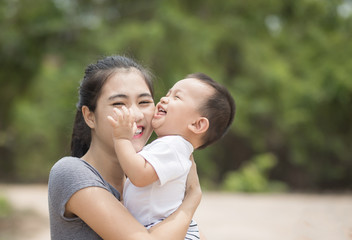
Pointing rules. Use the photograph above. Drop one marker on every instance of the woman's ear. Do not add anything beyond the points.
(200, 126)
(88, 116)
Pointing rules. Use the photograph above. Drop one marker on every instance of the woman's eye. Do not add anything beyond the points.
(145, 102)
(118, 104)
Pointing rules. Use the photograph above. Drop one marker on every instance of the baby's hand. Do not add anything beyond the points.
(123, 123)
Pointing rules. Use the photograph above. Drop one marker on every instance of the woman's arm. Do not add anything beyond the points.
(111, 220)
(101, 211)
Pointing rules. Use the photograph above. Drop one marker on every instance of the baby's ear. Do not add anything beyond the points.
(200, 126)
(89, 117)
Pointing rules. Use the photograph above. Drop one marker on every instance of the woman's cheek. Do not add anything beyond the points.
(139, 143)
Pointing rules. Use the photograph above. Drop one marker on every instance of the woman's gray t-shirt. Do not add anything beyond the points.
(68, 176)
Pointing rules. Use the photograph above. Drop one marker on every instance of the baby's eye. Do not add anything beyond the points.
(177, 97)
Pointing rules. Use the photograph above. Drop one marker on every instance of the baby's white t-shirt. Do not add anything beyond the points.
(170, 157)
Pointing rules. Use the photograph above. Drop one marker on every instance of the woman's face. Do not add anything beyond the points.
(126, 87)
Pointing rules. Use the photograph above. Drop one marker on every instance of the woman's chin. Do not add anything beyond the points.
(139, 141)
(138, 146)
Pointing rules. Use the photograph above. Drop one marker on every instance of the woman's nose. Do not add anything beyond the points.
(138, 115)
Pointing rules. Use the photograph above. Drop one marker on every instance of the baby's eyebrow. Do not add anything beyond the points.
(169, 92)
(174, 90)
(177, 91)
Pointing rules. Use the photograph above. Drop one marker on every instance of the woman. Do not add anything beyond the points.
(84, 188)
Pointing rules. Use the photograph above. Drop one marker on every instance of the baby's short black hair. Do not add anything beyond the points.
(219, 109)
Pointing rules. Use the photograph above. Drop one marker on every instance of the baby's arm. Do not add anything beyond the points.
(139, 171)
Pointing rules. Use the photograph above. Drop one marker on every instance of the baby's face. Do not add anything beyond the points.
(179, 107)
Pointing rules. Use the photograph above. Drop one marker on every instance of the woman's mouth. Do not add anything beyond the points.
(139, 132)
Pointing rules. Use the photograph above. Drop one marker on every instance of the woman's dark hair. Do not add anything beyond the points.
(89, 91)
(219, 109)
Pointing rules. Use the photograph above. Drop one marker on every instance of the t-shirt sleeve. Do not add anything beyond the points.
(68, 176)
(167, 162)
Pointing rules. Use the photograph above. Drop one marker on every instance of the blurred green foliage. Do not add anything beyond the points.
(287, 63)
(254, 176)
(5, 208)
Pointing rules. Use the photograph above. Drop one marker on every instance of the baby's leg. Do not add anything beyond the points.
(193, 231)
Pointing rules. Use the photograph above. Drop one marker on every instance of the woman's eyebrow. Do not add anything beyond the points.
(119, 95)
(145, 95)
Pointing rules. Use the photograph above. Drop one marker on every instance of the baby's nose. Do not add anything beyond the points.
(164, 100)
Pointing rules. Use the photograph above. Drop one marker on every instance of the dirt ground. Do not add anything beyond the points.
(221, 216)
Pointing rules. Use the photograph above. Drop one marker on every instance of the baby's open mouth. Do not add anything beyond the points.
(161, 111)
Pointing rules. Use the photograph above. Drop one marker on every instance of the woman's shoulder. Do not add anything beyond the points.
(72, 168)
(67, 164)
(67, 161)
(73, 171)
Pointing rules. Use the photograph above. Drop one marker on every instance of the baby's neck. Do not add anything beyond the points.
(193, 140)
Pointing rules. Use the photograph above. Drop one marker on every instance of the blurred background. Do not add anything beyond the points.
(287, 63)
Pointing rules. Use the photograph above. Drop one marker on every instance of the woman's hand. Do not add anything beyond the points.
(193, 185)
